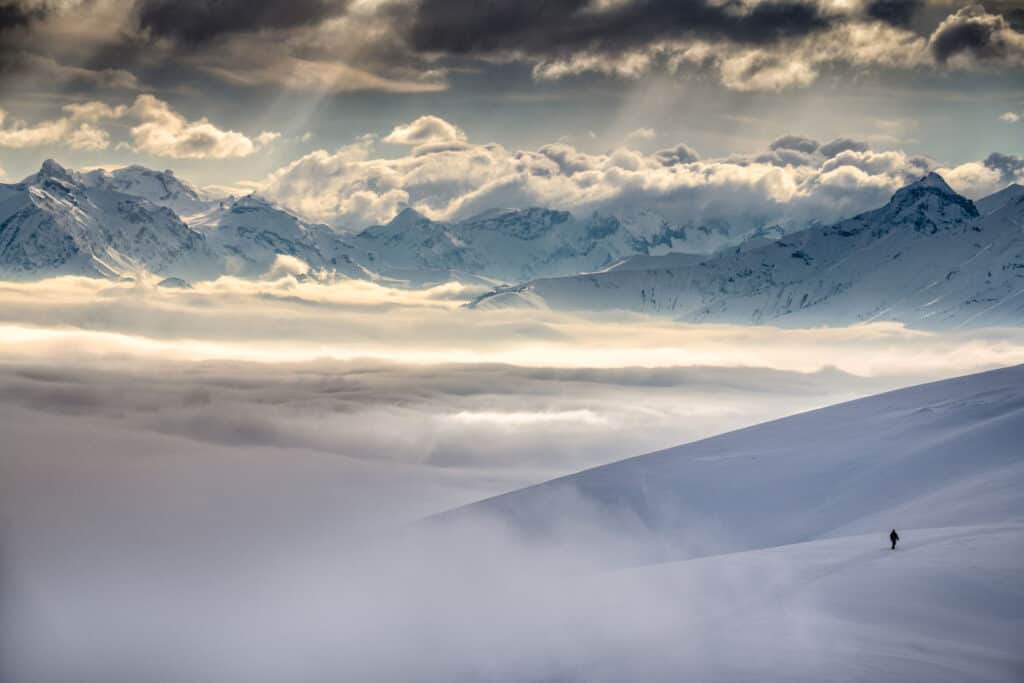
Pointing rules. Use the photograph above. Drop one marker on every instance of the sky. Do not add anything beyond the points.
(197, 480)
(348, 111)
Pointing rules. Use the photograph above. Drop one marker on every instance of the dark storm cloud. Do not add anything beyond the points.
(680, 154)
(894, 12)
(1012, 11)
(1009, 165)
(197, 21)
(971, 30)
(16, 14)
(544, 27)
(830, 149)
(795, 142)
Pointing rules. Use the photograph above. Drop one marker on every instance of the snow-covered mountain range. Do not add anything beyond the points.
(929, 258)
(61, 222)
(244, 236)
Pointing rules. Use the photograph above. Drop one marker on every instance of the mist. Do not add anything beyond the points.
(231, 483)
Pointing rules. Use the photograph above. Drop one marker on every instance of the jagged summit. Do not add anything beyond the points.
(407, 217)
(253, 201)
(929, 203)
(52, 169)
(931, 181)
(160, 187)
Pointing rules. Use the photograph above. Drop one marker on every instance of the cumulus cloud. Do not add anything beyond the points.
(895, 12)
(343, 46)
(161, 131)
(1010, 166)
(158, 130)
(791, 62)
(791, 47)
(640, 135)
(20, 134)
(974, 35)
(20, 13)
(830, 149)
(77, 129)
(795, 142)
(425, 130)
(980, 178)
(796, 180)
(680, 154)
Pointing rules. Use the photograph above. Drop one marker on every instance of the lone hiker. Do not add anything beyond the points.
(893, 536)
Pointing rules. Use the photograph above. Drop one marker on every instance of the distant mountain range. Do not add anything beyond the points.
(116, 224)
(929, 257)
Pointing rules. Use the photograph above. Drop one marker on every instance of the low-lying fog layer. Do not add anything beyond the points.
(180, 467)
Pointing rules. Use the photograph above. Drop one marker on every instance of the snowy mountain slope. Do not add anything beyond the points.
(762, 554)
(160, 187)
(998, 200)
(933, 455)
(250, 233)
(53, 224)
(62, 222)
(945, 606)
(502, 245)
(928, 258)
(517, 245)
(655, 262)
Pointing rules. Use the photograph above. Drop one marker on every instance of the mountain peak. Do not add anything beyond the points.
(407, 217)
(930, 199)
(253, 201)
(932, 181)
(51, 169)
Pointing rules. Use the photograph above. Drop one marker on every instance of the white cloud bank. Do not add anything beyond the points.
(156, 129)
(445, 176)
(969, 39)
(198, 482)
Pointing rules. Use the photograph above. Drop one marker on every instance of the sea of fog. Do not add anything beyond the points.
(200, 471)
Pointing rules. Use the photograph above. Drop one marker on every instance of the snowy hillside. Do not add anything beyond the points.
(928, 258)
(772, 541)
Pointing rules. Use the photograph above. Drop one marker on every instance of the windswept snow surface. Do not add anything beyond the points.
(764, 551)
(757, 555)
